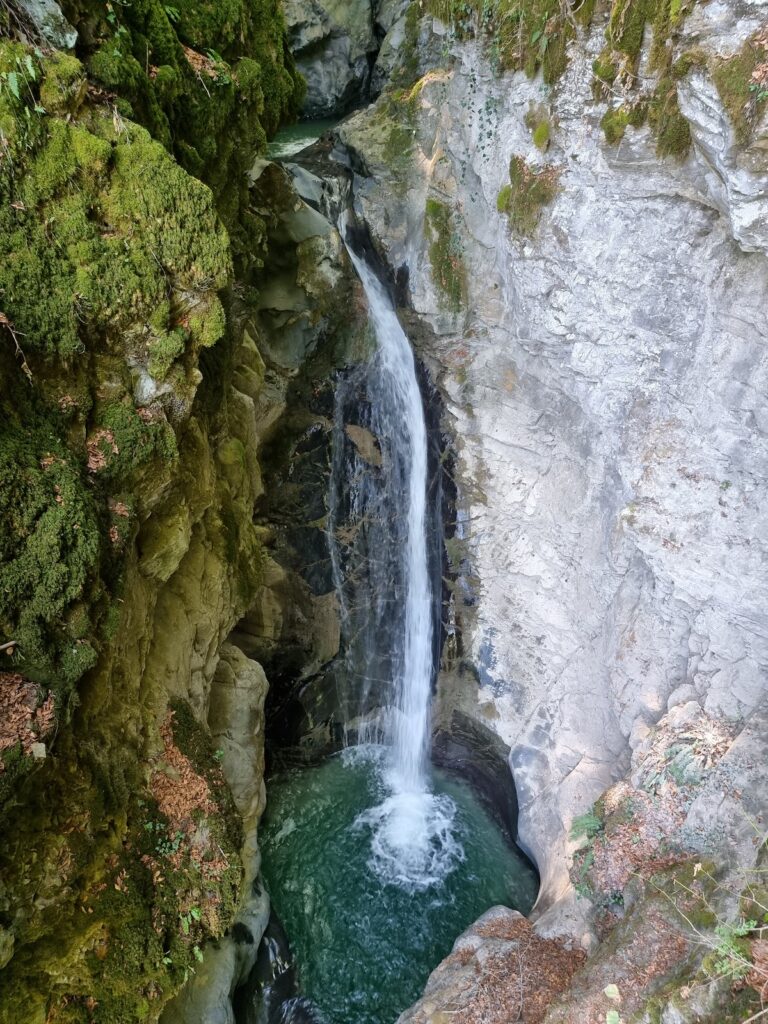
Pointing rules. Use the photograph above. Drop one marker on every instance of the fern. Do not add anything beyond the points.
(586, 826)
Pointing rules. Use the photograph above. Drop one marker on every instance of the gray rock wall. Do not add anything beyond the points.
(606, 384)
(334, 45)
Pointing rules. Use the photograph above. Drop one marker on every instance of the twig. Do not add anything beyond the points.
(5, 322)
(755, 1016)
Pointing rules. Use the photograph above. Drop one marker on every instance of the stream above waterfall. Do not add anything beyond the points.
(293, 138)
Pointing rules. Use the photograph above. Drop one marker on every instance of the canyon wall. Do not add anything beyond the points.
(581, 215)
(168, 304)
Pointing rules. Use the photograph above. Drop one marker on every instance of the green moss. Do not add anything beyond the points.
(208, 326)
(50, 546)
(445, 255)
(670, 127)
(605, 71)
(615, 120)
(128, 442)
(164, 351)
(689, 59)
(93, 230)
(625, 35)
(529, 191)
(64, 87)
(537, 122)
(541, 136)
(626, 27)
(614, 123)
(174, 213)
(733, 78)
(213, 113)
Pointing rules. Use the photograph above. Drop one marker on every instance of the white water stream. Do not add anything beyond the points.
(412, 843)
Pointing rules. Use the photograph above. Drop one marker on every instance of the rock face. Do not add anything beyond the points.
(492, 973)
(47, 18)
(345, 49)
(334, 44)
(604, 374)
(236, 721)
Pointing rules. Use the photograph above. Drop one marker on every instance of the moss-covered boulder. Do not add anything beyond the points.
(209, 81)
(127, 546)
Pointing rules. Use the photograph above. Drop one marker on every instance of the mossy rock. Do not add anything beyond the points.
(743, 101)
(446, 257)
(529, 191)
(211, 82)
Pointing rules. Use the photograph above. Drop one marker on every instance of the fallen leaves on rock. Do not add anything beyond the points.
(200, 64)
(651, 951)
(175, 784)
(641, 844)
(758, 976)
(24, 718)
(521, 983)
(183, 796)
(97, 452)
(501, 971)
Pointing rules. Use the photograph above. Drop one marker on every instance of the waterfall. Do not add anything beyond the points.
(401, 418)
(389, 617)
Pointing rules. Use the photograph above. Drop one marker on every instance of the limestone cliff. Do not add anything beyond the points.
(578, 197)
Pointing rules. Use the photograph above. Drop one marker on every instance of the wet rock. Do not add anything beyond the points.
(367, 446)
(466, 747)
(334, 45)
(48, 19)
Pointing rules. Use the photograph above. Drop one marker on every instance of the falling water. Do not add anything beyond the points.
(402, 416)
(412, 843)
(374, 862)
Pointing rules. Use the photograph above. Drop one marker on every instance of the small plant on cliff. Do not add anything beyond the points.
(586, 826)
(731, 959)
(528, 192)
(737, 945)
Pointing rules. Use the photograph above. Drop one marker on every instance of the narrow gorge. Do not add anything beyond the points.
(383, 556)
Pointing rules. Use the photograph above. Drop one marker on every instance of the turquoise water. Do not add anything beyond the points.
(365, 947)
(292, 139)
